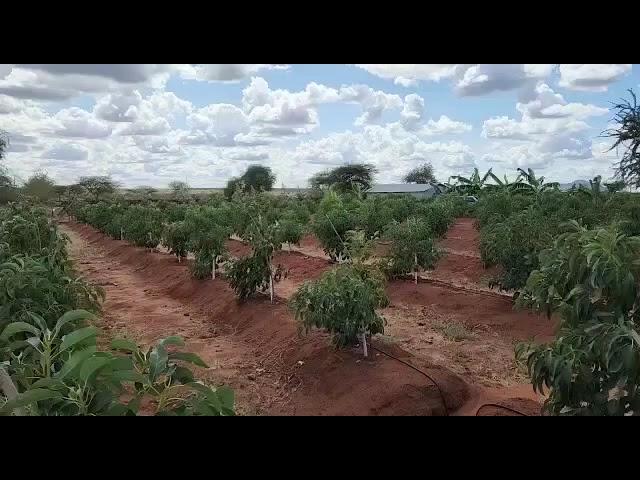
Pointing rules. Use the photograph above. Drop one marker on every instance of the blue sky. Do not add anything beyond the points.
(147, 124)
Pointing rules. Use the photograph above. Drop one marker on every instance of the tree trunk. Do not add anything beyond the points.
(271, 284)
(9, 389)
(416, 267)
(213, 268)
(121, 233)
(363, 339)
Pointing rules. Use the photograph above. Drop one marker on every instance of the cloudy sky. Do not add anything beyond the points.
(149, 124)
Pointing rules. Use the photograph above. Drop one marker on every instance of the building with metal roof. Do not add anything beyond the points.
(421, 190)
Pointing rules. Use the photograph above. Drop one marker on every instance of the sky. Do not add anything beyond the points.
(149, 124)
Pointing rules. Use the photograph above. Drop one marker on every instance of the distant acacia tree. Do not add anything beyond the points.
(346, 177)
(257, 178)
(179, 189)
(627, 135)
(144, 191)
(40, 186)
(98, 186)
(420, 174)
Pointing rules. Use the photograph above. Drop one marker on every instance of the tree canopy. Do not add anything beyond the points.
(627, 137)
(97, 185)
(346, 177)
(40, 186)
(420, 174)
(179, 189)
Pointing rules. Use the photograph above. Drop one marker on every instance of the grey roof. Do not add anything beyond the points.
(401, 188)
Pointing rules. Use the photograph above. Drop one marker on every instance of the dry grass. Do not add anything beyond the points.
(454, 331)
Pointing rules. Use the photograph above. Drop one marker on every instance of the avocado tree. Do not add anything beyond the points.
(343, 302)
(256, 271)
(59, 370)
(175, 237)
(290, 229)
(208, 229)
(412, 247)
(590, 279)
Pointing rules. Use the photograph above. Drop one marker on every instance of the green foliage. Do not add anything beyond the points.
(144, 226)
(59, 370)
(626, 134)
(255, 272)
(179, 190)
(98, 186)
(175, 237)
(290, 229)
(420, 174)
(40, 186)
(412, 247)
(590, 278)
(208, 229)
(345, 178)
(514, 244)
(343, 301)
(35, 273)
(248, 275)
(334, 218)
(258, 178)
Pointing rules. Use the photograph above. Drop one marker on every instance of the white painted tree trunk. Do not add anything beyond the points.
(213, 268)
(416, 267)
(9, 389)
(121, 233)
(365, 350)
(271, 285)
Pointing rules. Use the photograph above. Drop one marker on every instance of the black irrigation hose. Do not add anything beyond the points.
(513, 410)
(444, 402)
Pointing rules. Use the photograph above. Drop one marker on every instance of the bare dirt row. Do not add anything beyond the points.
(463, 339)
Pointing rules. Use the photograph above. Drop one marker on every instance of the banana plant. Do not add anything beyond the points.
(471, 185)
(530, 184)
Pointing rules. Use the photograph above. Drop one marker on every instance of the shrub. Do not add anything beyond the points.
(175, 237)
(343, 301)
(590, 278)
(65, 374)
(412, 247)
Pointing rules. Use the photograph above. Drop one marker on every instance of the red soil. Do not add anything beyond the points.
(256, 348)
(253, 346)
(473, 309)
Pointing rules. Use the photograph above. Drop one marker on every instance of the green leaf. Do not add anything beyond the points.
(226, 396)
(123, 344)
(29, 397)
(183, 375)
(157, 361)
(188, 357)
(92, 366)
(18, 327)
(77, 336)
(50, 383)
(76, 359)
(72, 316)
(39, 321)
(173, 340)
(129, 376)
